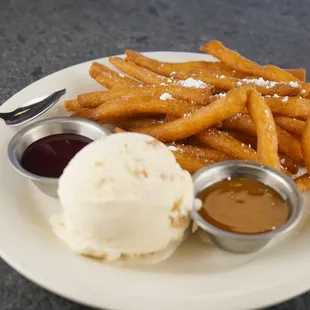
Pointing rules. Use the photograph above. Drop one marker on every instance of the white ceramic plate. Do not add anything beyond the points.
(197, 277)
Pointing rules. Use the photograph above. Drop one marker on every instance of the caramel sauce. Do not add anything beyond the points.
(243, 206)
(48, 157)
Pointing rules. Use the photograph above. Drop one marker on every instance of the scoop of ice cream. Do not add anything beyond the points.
(124, 197)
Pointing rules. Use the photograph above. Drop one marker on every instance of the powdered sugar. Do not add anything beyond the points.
(220, 95)
(285, 99)
(173, 148)
(276, 96)
(187, 114)
(293, 84)
(236, 116)
(165, 96)
(300, 172)
(259, 82)
(192, 83)
(303, 91)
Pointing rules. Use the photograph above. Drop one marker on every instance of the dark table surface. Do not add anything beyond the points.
(38, 37)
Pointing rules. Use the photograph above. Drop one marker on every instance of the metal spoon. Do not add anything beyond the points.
(31, 109)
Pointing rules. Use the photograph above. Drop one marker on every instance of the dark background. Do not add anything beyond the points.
(38, 37)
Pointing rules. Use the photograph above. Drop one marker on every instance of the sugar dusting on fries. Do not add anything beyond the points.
(208, 111)
(165, 96)
(190, 82)
(220, 95)
(264, 83)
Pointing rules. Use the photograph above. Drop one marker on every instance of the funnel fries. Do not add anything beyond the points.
(292, 125)
(204, 118)
(207, 111)
(189, 162)
(115, 110)
(168, 68)
(240, 63)
(267, 140)
(72, 105)
(139, 73)
(303, 183)
(130, 124)
(95, 99)
(109, 78)
(290, 106)
(202, 153)
(288, 145)
(222, 82)
(305, 144)
(298, 73)
(227, 144)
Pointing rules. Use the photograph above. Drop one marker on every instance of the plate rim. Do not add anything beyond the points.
(27, 274)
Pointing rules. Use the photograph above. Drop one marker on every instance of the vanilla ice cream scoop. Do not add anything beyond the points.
(124, 197)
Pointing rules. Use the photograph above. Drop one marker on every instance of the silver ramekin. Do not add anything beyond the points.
(242, 243)
(45, 128)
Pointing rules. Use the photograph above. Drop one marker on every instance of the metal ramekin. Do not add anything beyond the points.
(45, 128)
(242, 243)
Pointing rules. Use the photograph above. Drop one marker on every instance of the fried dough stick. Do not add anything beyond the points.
(292, 125)
(130, 124)
(115, 110)
(267, 139)
(290, 106)
(217, 110)
(168, 68)
(139, 73)
(298, 73)
(305, 145)
(243, 137)
(240, 63)
(198, 95)
(189, 162)
(287, 162)
(222, 82)
(226, 143)
(109, 78)
(203, 153)
(303, 183)
(72, 105)
(288, 145)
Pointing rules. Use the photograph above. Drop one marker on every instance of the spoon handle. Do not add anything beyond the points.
(5, 116)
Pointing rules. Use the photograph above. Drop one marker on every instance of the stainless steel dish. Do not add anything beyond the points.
(242, 243)
(45, 128)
